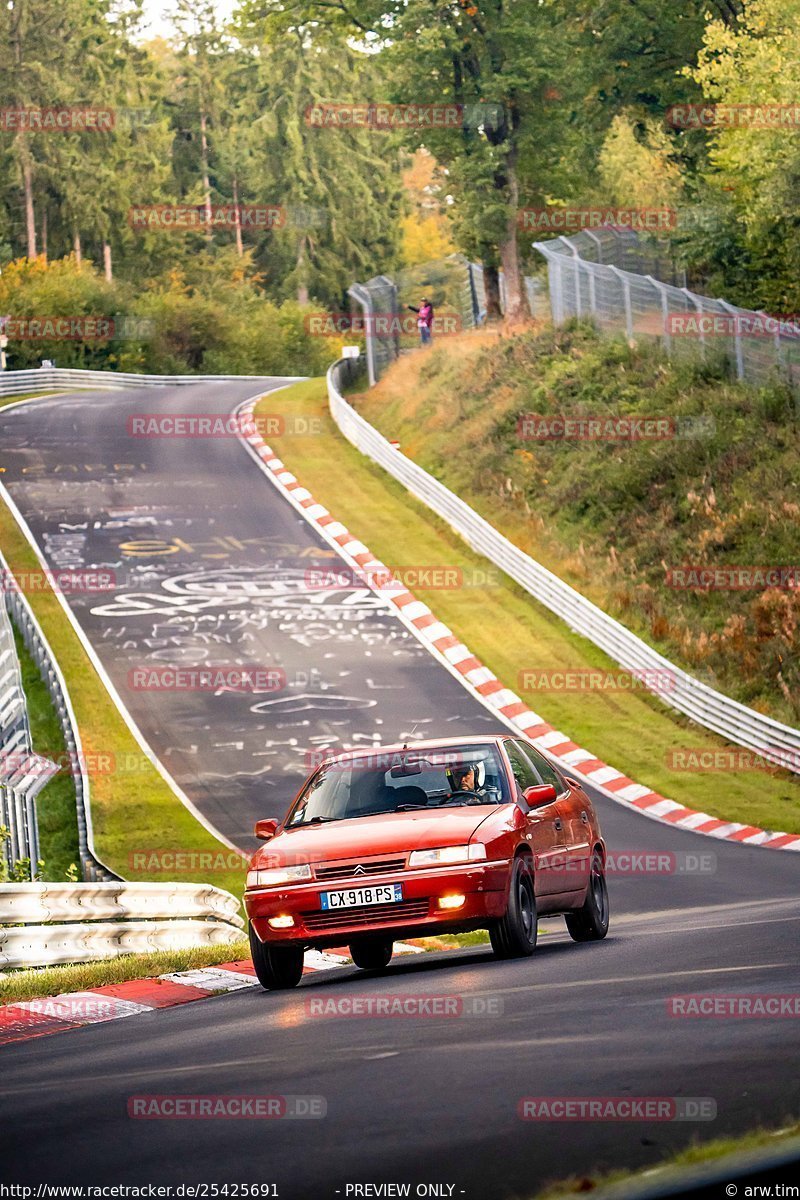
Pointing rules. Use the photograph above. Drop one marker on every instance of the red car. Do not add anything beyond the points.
(409, 841)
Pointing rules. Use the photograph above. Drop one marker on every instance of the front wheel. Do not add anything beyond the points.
(514, 935)
(372, 954)
(277, 967)
(590, 923)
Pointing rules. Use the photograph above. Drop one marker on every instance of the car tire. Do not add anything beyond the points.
(277, 967)
(514, 935)
(372, 954)
(590, 922)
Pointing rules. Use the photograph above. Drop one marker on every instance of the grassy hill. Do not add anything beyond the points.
(620, 520)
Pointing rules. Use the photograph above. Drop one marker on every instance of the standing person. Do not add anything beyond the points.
(424, 320)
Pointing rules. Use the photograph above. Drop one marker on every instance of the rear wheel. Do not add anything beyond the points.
(590, 923)
(514, 935)
(373, 953)
(276, 967)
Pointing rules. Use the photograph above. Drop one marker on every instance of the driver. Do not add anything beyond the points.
(468, 777)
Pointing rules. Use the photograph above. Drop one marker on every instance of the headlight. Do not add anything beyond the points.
(278, 875)
(447, 854)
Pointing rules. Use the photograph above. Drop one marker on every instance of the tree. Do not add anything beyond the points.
(340, 189)
(495, 62)
(754, 172)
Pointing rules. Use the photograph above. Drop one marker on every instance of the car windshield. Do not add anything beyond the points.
(401, 781)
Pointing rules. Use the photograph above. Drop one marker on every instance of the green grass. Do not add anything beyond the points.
(510, 631)
(52, 981)
(660, 1175)
(55, 804)
(6, 400)
(612, 518)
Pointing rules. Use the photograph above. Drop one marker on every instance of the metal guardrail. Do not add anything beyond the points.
(14, 383)
(51, 945)
(46, 924)
(39, 903)
(689, 695)
(17, 605)
(23, 773)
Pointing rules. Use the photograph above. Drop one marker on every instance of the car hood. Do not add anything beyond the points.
(384, 833)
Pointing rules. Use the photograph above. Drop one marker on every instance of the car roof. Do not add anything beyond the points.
(488, 739)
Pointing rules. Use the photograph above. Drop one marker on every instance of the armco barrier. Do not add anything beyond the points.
(709, 708)
(23, 616)
(15, 383)
(23, 773)
(49, 923)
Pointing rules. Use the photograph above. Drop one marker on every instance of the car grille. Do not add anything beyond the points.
(368, 914)
(375, 866)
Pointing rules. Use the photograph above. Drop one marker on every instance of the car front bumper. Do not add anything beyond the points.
(484, 886)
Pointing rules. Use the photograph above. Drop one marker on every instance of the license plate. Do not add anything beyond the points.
(387, 893)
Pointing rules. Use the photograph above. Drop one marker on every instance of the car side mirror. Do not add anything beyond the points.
(264, 830)
(543, 793)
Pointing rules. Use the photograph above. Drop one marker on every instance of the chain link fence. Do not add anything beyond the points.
(586, 278)
(457, 290)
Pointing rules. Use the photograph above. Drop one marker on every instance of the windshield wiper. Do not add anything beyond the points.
(409, 807)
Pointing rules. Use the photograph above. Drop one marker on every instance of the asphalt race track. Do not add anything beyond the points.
(206, 551)
(211, 566)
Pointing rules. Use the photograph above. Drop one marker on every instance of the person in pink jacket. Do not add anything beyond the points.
(424, 320)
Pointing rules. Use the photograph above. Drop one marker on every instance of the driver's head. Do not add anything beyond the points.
(464, 778)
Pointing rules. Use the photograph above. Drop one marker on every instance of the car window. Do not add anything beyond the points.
(523, 771)
(392, 781)
(548, 773)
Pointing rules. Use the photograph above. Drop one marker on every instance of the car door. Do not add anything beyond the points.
(574, 812)
(544, 826)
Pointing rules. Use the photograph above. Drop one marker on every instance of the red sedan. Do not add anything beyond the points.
(409, 841)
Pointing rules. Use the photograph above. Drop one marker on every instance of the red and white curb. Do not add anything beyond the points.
(482, 683)
(72, 1010)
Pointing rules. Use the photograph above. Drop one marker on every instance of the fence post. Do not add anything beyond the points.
(597, 243)
(662, 291)
(698, 306)
(363, 298)
(626, 291)
(737, 339)
(555, 265)
(576, 259)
